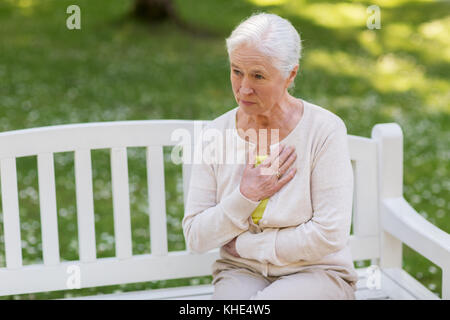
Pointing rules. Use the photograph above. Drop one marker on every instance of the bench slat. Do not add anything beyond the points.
(11, 221)
(157, 200)
(199, 292)
(186, 169)
(121, 202)
(401, 285)
(106, 271)
(47, 200)
(93, 135)
(365, 203)
(85, 205)
(364, 248)
(369, 294)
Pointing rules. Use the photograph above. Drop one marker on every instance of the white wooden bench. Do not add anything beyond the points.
(382, 219)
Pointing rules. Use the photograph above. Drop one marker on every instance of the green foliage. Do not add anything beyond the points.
(117, 69)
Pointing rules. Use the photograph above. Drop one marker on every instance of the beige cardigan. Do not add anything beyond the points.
(305, 224)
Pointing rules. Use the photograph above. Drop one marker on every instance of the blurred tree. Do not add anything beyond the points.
(154, 11)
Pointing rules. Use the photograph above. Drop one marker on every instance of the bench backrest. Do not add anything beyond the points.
(125, 267)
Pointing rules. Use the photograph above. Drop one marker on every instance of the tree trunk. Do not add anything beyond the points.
(154, 11)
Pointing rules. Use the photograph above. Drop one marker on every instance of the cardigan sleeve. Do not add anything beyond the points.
(208, 224)
(328, 230)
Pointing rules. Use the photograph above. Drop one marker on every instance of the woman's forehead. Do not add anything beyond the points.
(250, 58)
(253, 67)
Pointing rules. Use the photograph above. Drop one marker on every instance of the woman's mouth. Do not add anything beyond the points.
(247, 103)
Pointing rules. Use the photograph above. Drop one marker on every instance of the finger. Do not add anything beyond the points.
(251, 156)
(286, 177)
(270, 165)
(279, 161)
(288, 163)
(277, 150)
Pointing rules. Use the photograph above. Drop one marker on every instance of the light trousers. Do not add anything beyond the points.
(310, 284)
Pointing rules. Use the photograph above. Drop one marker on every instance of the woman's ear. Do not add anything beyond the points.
(292, 76)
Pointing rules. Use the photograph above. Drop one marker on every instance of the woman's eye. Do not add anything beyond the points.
(257, 76)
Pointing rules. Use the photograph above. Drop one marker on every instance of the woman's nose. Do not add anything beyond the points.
(245, 88)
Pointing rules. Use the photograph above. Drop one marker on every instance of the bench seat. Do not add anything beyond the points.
(395, 284)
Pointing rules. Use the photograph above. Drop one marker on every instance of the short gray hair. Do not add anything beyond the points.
(273, 36)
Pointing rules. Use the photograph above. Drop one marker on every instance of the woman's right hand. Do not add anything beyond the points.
(262, 182)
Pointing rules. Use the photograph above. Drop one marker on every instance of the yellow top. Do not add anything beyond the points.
(259, 211)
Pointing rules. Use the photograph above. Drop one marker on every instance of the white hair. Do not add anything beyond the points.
(273, 36)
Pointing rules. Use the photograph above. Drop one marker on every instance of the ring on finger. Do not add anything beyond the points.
(278, 173)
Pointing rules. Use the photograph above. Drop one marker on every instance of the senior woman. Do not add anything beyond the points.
(282, 216)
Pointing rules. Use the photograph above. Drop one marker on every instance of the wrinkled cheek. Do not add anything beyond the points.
(234, 86)
(235, 91)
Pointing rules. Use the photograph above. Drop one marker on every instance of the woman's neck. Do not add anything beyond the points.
(280, 119)
(273, 118)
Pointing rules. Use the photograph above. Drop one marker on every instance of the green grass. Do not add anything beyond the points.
(117, 69)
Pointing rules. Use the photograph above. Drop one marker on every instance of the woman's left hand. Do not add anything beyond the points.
(230, 247)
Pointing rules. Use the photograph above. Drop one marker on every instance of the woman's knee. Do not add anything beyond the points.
(237, 284)
(307, 285)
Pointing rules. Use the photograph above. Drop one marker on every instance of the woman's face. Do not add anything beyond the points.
(255, 80)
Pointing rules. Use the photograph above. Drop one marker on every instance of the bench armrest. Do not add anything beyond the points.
(403, 222)
(407, 225)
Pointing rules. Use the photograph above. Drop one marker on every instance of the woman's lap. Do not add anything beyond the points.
(238, 284)
(311, 284)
